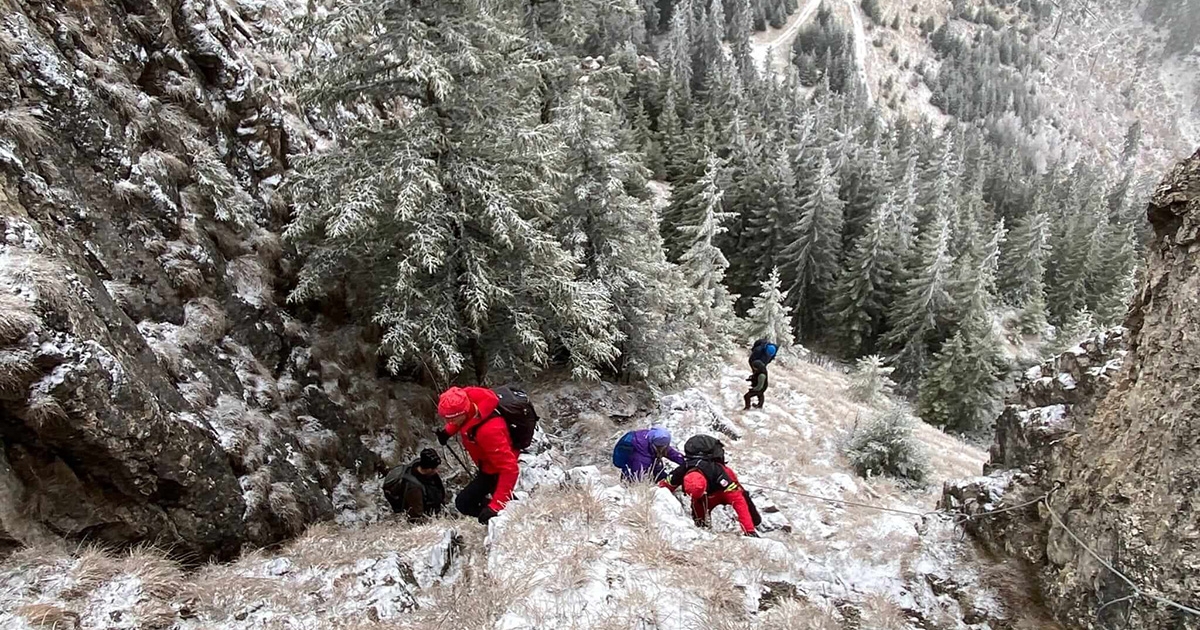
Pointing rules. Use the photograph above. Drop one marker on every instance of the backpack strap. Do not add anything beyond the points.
(474, 430)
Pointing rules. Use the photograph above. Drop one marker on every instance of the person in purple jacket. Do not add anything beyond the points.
(639, 454)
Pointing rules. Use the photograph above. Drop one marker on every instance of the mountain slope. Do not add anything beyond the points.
(579, 550)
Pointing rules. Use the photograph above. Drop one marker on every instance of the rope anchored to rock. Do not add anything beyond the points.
(960, 518)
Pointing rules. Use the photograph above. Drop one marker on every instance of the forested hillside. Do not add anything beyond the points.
(489, 202)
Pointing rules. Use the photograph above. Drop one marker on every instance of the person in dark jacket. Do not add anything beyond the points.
(470, 412)
(644, 452)
(758, 384)
(416, 489)
(710, 484)
(762, 351)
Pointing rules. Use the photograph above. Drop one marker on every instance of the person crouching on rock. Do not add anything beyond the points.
(416, 489)
(639, 454)
(470, 412)
(710, 484)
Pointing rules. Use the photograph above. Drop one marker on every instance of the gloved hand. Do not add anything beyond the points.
(486, 515)
(752, 535)
(442, 436)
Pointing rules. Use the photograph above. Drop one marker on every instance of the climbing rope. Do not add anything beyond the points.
(960, 518)
(1137, 590)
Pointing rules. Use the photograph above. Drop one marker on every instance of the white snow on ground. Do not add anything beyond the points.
(860, 46)
(578, 549)
(772, 49)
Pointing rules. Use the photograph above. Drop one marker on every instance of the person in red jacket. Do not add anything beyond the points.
(710, 484)
(470, 412)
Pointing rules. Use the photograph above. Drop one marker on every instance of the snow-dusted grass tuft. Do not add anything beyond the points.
(17, 319)
(24, 124)
(15, 369)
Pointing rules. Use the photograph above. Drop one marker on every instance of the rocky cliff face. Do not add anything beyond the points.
(1116, 449)
(151, 386)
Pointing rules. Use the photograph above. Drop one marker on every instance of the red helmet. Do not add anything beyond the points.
(694, 484)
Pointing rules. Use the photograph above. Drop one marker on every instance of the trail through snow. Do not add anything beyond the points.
(766, 46)
(860, 47)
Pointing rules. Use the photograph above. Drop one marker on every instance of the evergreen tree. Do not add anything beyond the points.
(677, 49)
(864, 288)
(703, 263)
(1110, 277)
(961, 390)
(443, 220)
(769, 318)
(871, 379)
(1074, 252)
(924, 307)
(772, 209)
(1023, 264)
(811, 261)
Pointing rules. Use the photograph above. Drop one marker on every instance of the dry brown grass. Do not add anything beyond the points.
(204, 322)
(25, 125)
(284, 505)
(881, 613)
(794, 614)
(49, 617)
(17, 319)
(44, 279)
(16, 369)
(163, 166)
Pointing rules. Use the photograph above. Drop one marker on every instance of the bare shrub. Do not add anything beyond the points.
(24, 124)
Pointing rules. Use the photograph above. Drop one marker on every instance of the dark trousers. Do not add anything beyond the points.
(751, 395)
(474, 497)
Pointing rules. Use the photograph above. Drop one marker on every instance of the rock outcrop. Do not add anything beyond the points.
(1116, 449)
(152, 389)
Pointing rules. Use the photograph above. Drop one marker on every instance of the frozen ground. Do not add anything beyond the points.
(579, 549)
(772, 49)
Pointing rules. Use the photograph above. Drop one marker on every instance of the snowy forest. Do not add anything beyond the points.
(615, 186)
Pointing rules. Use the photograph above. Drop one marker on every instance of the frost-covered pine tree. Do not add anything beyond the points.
(703, 262)
(871, 379)
(864, 288)
(771, 211)
(811, 261)
(925, 307)
(961, 389)
(769, 317)
(1111, 277)
(1074, 253)
(1023, 263)
(441, 221)
(613, 234)
(677, 48)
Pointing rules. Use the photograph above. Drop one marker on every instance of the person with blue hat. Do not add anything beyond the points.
(639, 454)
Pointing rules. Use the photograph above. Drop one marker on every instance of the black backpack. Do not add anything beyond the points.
(518, 414)
(704, 447)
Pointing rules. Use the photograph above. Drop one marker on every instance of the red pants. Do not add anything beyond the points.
(736, 498)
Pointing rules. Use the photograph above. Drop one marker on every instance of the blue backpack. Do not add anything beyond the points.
(763, 351)
(623, 451)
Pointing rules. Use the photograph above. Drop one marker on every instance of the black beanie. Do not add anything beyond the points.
(429, 459)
